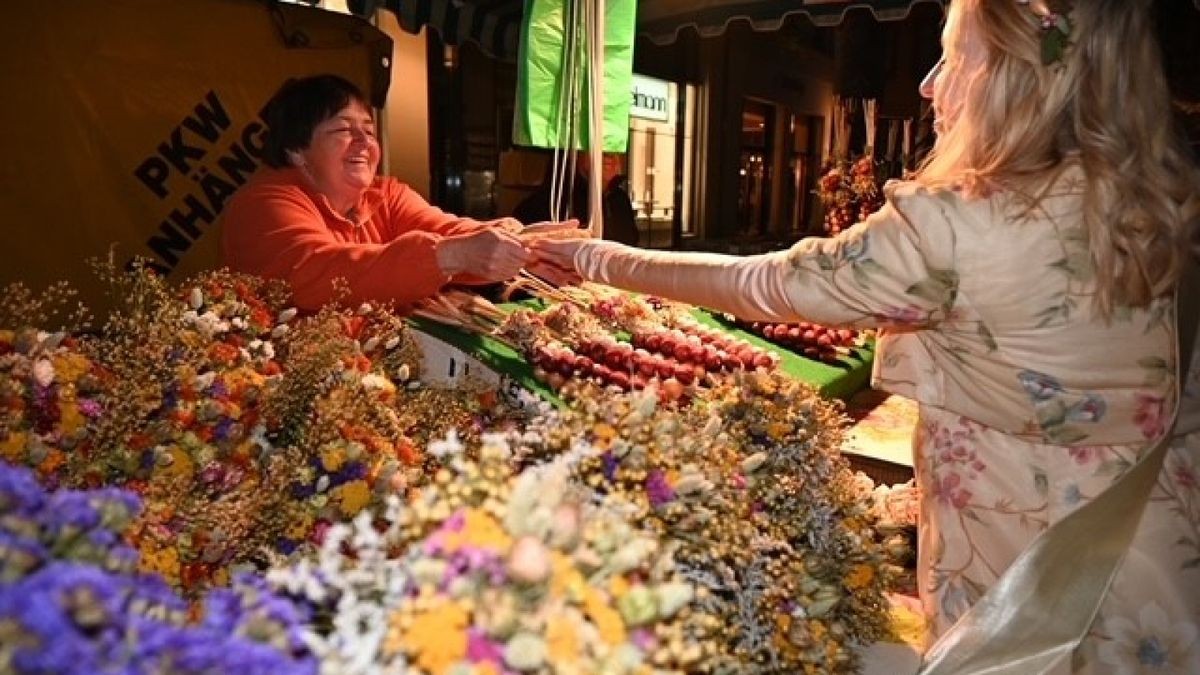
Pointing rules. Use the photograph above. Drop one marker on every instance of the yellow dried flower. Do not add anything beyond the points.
(71, 420)
(859, 576)
(909, 626)
(608, 620)
(300, 527)
(12, 448)
(605, 432)
(479, 530)
(70, 365)
(567, 581)
(332, 458)
(352, 497)
(181, 466)
(562, 642)
(438, 638)
(618, 586)
(164, 561)
(778, 430)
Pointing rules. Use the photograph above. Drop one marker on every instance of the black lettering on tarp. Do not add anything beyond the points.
(254, 137)
(167, 245)
(210, 120)
(217, 180)
(187, 219)
(237, 164)
(216, 189)
(175, 151)
(153, 173)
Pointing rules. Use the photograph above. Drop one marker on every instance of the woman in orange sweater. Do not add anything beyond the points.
(318, 212)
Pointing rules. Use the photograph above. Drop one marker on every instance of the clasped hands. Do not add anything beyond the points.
(501, 251)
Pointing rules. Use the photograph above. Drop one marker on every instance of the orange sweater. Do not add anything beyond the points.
(278, 226)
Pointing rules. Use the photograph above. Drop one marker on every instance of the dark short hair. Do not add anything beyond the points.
(298, 107)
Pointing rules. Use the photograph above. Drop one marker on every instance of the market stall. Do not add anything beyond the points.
(207, 452)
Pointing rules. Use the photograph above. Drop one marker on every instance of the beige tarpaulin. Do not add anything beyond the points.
(131, 122)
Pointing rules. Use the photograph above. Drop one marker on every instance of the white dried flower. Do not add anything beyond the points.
(672, 597)
(448, 447)
(692, 483)
(753, 462)
(525, 651)
(204, 380)
(376, 382)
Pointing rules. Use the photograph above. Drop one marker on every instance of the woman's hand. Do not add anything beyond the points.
(554, 259)
(492, 254)
(566, 229)
(507, 224)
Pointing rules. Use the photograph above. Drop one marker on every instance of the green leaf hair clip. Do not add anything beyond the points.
(1055, 28)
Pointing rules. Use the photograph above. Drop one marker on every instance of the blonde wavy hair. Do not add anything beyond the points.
(1105, 107)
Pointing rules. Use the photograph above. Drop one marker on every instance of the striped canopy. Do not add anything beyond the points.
(495, 25)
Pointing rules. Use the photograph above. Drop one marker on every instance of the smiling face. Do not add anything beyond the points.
(342, 155)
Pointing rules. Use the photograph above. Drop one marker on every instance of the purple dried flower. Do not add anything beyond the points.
(170, 398)
(302, 491)
(45, 413)
(610, 465)
(349, 471)
(643, 640)
(658, 489)
(212, 473)
(223, 429)
(89, 408)
(482, 650)
(233, 477)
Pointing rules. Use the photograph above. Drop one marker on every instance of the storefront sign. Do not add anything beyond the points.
(651, 98)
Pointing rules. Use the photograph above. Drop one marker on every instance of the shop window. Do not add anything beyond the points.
(754, 170)
(803, 167)
(659, 151)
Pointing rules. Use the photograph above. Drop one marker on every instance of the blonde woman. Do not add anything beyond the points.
(1025, 282)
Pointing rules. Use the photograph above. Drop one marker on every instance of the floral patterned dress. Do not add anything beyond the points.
(1030, 405)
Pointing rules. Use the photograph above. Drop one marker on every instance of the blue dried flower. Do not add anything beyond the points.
(70, 509)
(19, 490)
(19, 556)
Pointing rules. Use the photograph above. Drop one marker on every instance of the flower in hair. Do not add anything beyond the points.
(1055, 28)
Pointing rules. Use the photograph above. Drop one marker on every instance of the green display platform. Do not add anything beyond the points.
(839, 380)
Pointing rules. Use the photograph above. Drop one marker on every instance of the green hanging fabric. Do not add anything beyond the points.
(545, 72)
